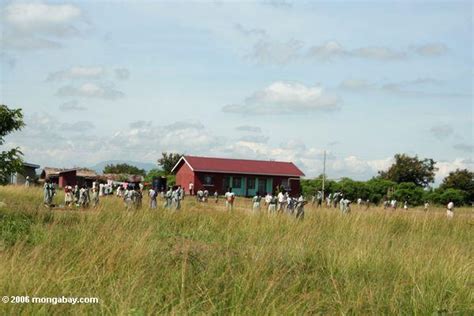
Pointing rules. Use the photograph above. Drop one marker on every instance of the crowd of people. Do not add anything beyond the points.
(337, 199)
(278, 202)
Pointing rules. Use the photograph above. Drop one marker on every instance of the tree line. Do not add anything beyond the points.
(407, 179)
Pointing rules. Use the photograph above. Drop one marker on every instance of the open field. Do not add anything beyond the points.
(205, 260)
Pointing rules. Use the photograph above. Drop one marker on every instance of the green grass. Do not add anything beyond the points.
(203, 260)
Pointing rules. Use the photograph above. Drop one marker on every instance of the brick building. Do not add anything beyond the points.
(245, 177)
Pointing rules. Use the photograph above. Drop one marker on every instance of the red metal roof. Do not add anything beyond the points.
(242, 166)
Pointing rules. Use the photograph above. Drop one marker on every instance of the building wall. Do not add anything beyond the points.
(221, 182)
(20, 178)
(67, 178)
(184, 176)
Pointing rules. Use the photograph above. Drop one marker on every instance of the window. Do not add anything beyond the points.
(207, 179)
(237, 182)
(285, 184)
(251, 183)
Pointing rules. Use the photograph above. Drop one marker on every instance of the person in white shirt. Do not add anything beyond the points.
(191, 188)
(229, 199)
(153, 195)
(272, 204)
(450, 210)
(168, 197)
(268, 198)
(300, 207)
(281, 201)
(427, 205)
(256, 202)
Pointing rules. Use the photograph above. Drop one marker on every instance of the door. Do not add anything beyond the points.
(262, 186)
(251, 186)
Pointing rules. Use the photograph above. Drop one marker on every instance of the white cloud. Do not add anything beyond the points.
(442, 131)
(90, 90)
(432, 49)
(72, 106)
(36, 25)
(445, 167)
(255, 138)
(249, 128)
(407, 88)
(286, 98)
(328, 50)
(266, 51)
(378, 53)
(78, 72)
(332, 49)
(29, 16)
(467, 148)
(122, 73)
(77, 127)
(249, 31)
(355, 84)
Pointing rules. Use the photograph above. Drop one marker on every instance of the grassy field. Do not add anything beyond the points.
(203, 260)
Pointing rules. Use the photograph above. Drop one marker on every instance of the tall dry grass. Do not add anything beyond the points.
(203, 260)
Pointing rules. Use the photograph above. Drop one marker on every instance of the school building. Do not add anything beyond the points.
(245, 177)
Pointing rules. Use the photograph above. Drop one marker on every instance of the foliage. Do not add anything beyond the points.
(123, 168)
(10, 161)
(168, 161)
(409, 192)
(353, 190)
(463, 180)
(374, 190)
(311, 186)
(379, 189)
(410, 169)
(155, 173)
(444, 196)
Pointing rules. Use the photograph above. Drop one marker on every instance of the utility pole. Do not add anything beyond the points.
(324, 177)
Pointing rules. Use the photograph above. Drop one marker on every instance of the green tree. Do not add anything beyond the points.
(123, 168)
(461, 179)
(353, 190)
(154, 173)
(409, 192)
(10, 160)
(168, 161)
(379, 188)
(311, 186)
(421, 172)
(458, 197)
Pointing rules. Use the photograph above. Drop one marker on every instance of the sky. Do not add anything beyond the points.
(272, 80)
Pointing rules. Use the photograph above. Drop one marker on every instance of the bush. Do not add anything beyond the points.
(409, 192)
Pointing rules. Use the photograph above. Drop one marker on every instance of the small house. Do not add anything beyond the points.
(28, 170)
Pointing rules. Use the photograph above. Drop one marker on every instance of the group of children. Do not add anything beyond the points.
(78, 196)
(334, 200)
(280, 203)
(132, 196)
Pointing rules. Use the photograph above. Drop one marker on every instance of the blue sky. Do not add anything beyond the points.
(282, 80)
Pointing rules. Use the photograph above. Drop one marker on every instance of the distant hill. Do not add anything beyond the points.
(142, 165)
